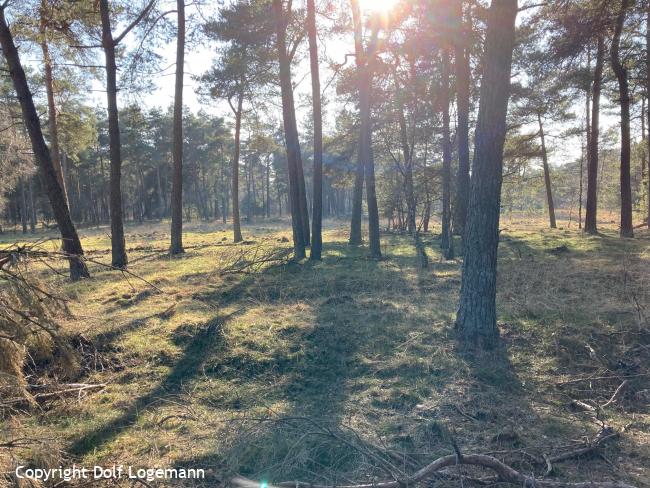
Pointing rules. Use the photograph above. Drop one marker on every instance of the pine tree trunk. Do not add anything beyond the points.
(647, 81)
(547, 175)
(290, 134)
(476, 319)
(365, 70)
(32, 206)
(317, 207)
(118, 246)
(356, 236)
(408, 167)
(51, 106)
(463, 74)
(249, 196)
(23, 205)
(268, 188)
(365, 153)
(177, 150)
(445, 241)
(627, 228)
(71, 243)
(591, 226)
(236, 222)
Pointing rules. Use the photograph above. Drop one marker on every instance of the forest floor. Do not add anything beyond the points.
(330, 371)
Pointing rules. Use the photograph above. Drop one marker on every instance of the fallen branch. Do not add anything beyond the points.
(251, 262)
(617, 394)
(505, 474)
(77, 388)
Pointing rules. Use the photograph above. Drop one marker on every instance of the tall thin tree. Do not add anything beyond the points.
(292, 143)
(620, 71)
(591, 226)
(109, 44)
(476, 319)
(446, 243)
(547, 173)
(236, 221)
(463, 80)
(647, 88)
(317, 206)
(177, 151)
(46, 12)
(365, 61)
(356, 236)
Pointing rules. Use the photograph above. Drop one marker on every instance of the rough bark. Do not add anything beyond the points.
(177, 150)
(118, 246)
(290, 133)
(445, 241)
(547, 175)
(476, 319)
(71, 243)
(317, 207)
(591, 226)
(463, 75)
(627, 229)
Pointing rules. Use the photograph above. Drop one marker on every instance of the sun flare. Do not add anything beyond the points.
(378, 5)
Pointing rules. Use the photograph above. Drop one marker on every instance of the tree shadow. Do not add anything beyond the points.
(351, 363)
(195, 352)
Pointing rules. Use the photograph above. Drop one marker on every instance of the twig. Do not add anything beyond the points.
(617, 394)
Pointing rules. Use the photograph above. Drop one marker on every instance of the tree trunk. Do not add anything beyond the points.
(32, 206)
(627, 228)
(248, 169)
(647, 81)
(365, 152)
(177, 150)
(118, 246)
(547, 175)
(51, 106)
(290, 134)
(365, 70)
(585, 155)
(408, 166)
(236, 222)
(317, 207)
(268, 188)
(71, 242)
(476, 319)
(463, 75)
(591, 226)
(23, 205)
(446, 237)
(356, 237)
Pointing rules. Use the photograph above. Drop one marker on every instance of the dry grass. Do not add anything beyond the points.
(209, 370)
